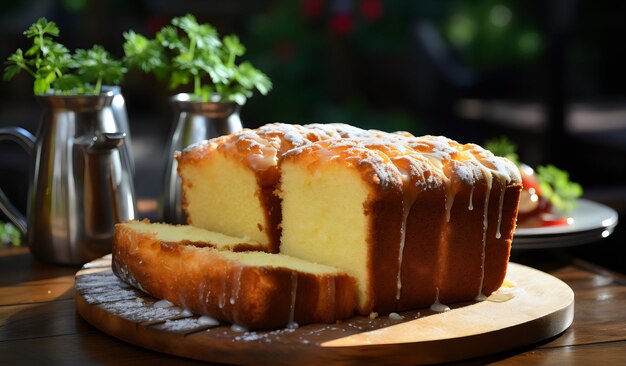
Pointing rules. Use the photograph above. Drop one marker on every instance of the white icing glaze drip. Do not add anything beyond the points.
(206, 298)
(222, 298)
(489, 179)
(449, 203)
(506, 292)
(500, 208)
(291, 324)
(234, 294)
(238, 328)
(406, 209)
(207, 320)
(201, 295)
(163, 304)
(267, 158)
(236, 285)
(471, 200)
(437, 306)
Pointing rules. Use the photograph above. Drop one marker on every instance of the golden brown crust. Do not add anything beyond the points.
(384, 211)
(205, 282)
(498, 250)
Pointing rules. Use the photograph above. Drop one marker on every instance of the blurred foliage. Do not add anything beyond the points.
(9, 234)
(492, 33)
(301, 44)
(504, 147)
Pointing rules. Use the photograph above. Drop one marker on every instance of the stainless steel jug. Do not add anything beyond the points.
(119, 121)
(194, 121)
(81, 182)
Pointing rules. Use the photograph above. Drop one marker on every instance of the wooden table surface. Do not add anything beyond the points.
(39, 323)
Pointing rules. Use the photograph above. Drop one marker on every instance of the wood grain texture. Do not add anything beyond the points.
(51, 332)
(18, 266)
(541, 307)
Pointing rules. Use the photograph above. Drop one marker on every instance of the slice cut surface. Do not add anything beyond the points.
(324, 219)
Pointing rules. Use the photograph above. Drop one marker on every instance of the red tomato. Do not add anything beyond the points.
(532, 203)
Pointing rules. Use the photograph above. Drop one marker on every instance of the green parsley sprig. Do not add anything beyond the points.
(554, 183)
(56, 70)
(187, 52)
(556, 186)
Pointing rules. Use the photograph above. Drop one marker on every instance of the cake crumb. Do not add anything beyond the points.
(395, 316)
(373, 315)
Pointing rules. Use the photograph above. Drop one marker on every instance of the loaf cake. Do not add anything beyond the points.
(229, 183)
(199, 271)
(416, 220)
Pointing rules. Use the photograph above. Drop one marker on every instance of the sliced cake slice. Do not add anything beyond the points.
(195, 269)
(342, 206)
(229, 182)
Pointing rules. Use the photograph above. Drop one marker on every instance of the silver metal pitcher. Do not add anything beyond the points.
(119, 121)
(194, 121)
(81, 182)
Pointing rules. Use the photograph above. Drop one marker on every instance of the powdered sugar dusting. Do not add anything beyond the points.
(184, 325)
(140, 312)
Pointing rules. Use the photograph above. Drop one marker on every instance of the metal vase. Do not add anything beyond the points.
(81, 181)
(194, 121)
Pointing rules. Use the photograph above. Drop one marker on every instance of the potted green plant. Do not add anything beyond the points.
(190, 54)
(81, 180)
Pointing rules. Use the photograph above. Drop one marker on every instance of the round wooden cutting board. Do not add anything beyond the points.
(530, 307)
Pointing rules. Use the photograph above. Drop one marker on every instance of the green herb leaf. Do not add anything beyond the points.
(189, 52)
(556, 186)
(95, 66)
(233, 46)
(203, 35)
(43, 81)
(10, 71)
(52, 67)
(67, 83)
(15, 63)
(504, 147)
(42, 27)
(143, 53)
(168, 38)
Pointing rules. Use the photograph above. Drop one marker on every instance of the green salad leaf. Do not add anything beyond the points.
(556, 186)
(554, 183)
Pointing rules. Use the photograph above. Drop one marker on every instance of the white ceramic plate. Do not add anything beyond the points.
(592, 221)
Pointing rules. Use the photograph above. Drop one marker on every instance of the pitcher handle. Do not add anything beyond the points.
(27, 141)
